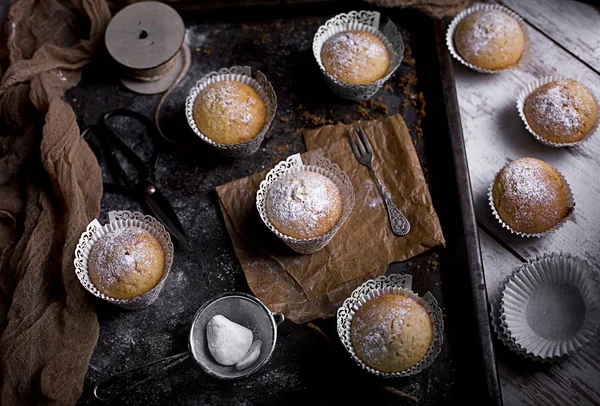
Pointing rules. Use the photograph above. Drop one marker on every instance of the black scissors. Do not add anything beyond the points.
(144, 189)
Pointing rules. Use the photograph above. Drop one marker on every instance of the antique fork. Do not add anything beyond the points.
(364, 154)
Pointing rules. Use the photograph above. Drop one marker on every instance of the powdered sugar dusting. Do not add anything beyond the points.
(301, 199)
(352, 51)
(119, 253)
(525, 181)
(557, 111)
(227, 94)
(488, 27)
(374, 343)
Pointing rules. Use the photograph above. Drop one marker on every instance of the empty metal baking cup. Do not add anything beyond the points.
(240, 308)
(549, 307)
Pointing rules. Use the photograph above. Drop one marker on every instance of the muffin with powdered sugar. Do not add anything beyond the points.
(126, 263)
(229, 112)
(304, 205)
(530, 196)
(490, 39)
(391, 333)
(561, 111)
(355, 57)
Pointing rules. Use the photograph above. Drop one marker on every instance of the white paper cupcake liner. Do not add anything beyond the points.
(570, 208)
(122, 219)
(524, 93)
(479, 7)
(317, 164)
(549, 307)
(392, 284)
(363, 21)
(241, 74)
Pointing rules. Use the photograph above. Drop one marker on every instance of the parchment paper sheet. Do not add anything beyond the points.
(305, 287)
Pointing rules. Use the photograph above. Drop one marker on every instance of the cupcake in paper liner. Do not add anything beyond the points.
(388, 329)
(530, 198)
(549, 308)
(305, 204)
(126, 261)
(558, 111)
(354, 56)
(232, 110)
(476, 36)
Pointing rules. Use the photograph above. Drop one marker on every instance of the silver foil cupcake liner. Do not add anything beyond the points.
(549, 307)
(362, 21)
(482, 7)
(317, 164)
(398, 284)
(122, 219)
(570, 208)
(525, 92)
(242, 74)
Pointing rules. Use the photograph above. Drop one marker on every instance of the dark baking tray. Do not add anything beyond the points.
(305, 368)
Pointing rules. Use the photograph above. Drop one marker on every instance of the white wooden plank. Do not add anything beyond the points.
(494, 135)
(573, 24)
(570, 381)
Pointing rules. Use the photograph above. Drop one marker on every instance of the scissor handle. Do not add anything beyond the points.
(147, 123)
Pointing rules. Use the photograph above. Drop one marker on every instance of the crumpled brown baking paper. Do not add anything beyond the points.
(305, 287)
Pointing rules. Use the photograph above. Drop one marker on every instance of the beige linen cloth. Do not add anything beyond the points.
(50, 189)
(305, 287)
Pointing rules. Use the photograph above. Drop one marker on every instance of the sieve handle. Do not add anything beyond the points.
(114, 385)
(278, 317)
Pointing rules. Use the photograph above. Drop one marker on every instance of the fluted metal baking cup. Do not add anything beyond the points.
(549, 307)
(117, 220)
(396, 284)
(317, 164)
(244, 75)
(525, 92)
(362, 21)
(570, 208)
(484, 7)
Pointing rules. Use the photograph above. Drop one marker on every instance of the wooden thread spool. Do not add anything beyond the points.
(147, 41)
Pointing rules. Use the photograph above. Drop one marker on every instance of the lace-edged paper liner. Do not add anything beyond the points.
(318, 164)
(122, 219)
(570, 208)
(242, 74)
(399, 284)
(479, 7)
(524, 93)
(362, 21)
(549, 307)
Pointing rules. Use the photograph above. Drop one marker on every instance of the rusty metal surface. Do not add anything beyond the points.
(305, 367)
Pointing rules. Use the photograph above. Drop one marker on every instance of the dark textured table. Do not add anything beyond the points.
(305, 368)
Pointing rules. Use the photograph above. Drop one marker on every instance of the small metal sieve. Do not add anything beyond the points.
(240, 308)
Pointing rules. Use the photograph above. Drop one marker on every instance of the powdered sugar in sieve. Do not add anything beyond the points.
(240, 308)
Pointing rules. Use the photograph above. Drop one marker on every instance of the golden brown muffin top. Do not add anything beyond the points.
(490, 39)
(304, 204)
(529, 196)
(561, 111)
(229, 112)
(126, 262)
(355, 57)
(391, 333)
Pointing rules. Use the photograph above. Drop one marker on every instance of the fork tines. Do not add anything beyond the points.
(359, 143)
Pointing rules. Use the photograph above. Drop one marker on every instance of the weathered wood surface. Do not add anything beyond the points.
(573, 25)
(494, 135)
(572, 381)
